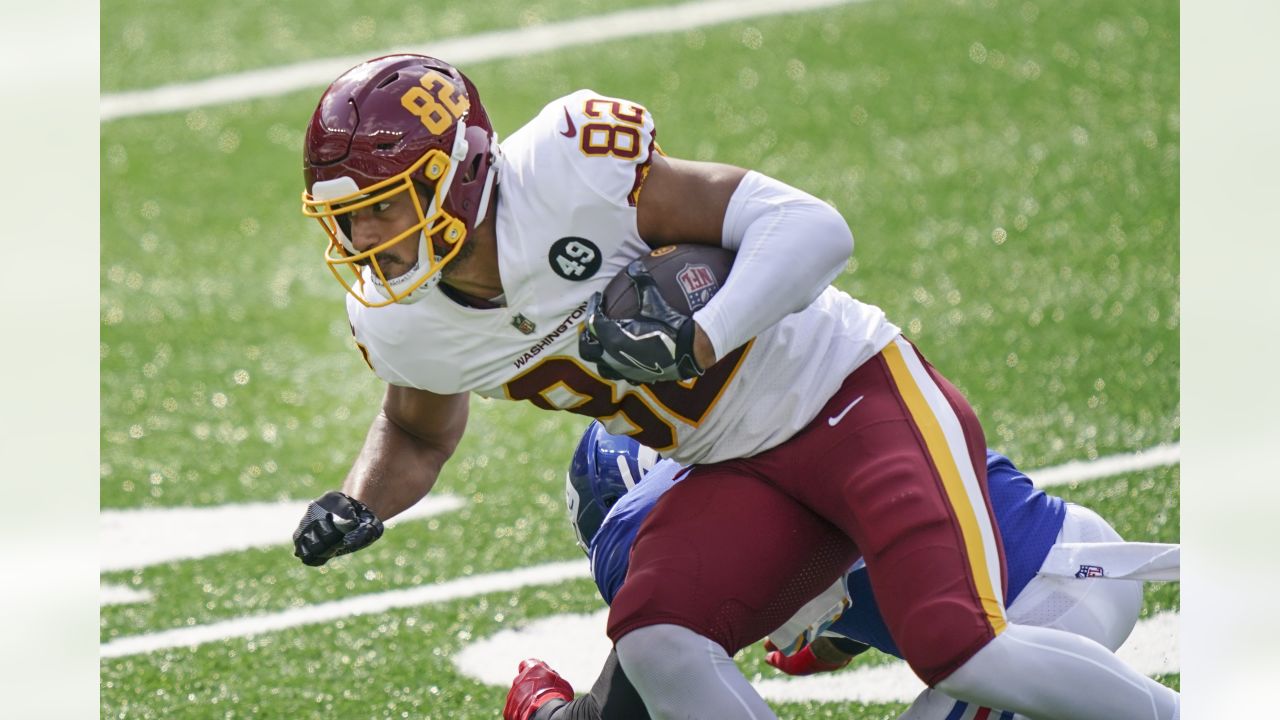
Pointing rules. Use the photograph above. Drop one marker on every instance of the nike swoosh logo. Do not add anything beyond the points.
(835, 419)
(572, 130)
(656, 369)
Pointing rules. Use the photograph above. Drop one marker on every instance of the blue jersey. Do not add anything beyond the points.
(1028, 518)
(610, 549)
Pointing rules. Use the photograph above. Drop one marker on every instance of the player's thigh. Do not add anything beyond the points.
(728, 556)
(1101, 609)
(897, 460)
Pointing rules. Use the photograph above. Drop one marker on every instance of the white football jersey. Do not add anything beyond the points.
(566, 225)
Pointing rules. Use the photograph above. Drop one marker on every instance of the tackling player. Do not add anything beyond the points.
(817, 431)
(607, 503)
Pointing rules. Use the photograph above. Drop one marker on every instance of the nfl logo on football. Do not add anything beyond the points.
(698, 284)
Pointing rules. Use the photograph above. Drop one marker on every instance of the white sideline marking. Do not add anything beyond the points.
(137, 538)
(349, 607)
(1082, 470)
(494, 45)
(121, 595)
(576, 646)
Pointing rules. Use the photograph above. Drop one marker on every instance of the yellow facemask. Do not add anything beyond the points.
(439, 234)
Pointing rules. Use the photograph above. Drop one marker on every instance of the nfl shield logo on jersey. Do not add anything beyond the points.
(1088, 571)
(523, 324)
(698, 284)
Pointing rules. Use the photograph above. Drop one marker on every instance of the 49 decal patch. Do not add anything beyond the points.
(574, 258)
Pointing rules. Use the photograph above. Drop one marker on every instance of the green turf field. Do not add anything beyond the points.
(1009, 169)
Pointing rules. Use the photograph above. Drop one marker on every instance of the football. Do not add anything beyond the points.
(687, 276)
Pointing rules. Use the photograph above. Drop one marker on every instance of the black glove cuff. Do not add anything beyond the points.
(685, 362)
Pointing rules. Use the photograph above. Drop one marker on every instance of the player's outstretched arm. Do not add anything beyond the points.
(408, 443)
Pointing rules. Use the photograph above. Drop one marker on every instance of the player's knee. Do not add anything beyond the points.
(640, 650)
(978, 679)
(680, 673)
(941, 636)
(658, 656)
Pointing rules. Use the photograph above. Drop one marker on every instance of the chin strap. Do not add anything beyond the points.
(491, 178)
(368, 278)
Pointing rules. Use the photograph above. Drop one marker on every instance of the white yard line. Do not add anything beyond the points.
(349, 607)
(495, 45)
(121, 595)
(1083, 470)
(138, 538)
(513, 580)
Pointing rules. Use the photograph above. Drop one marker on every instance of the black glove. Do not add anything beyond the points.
(654, 346)
(334, 525)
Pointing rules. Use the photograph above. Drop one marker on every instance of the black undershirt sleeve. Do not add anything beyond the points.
(849, 647)
(611, 698)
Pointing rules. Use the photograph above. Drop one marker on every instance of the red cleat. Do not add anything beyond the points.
(535, 684)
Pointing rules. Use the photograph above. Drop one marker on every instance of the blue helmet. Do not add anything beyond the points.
(604, 468)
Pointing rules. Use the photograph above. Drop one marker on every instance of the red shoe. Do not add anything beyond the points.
(535, 684)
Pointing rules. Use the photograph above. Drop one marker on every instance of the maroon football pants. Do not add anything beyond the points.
(893, 468)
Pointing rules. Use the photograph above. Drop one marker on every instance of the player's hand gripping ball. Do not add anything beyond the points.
(336, 524)
(641, 328)
(654, 346)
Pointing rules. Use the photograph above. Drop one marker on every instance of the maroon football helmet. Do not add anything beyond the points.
(398, 124)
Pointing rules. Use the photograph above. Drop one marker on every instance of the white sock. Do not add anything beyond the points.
(1049, 674)
(681, 674)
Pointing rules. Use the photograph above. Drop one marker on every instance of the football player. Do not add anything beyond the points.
(607, 504)
(477, 268)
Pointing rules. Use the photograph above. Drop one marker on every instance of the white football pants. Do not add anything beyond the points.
(1102, 610)
(683, 675)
